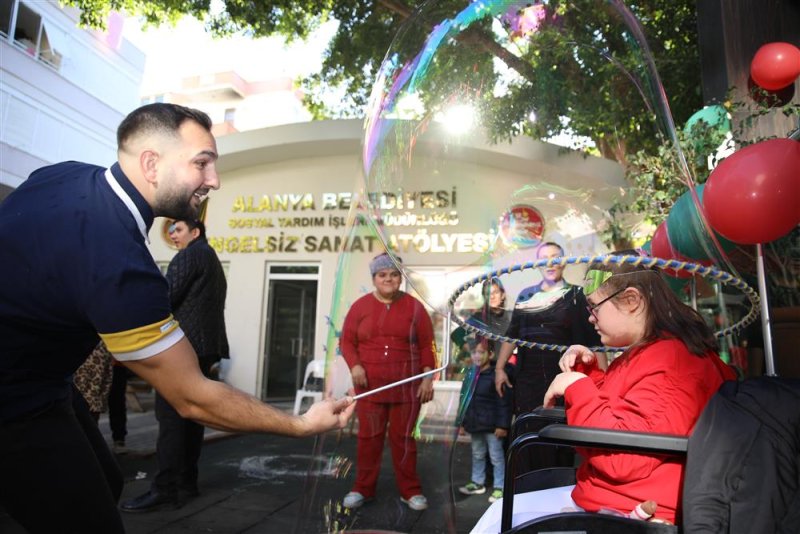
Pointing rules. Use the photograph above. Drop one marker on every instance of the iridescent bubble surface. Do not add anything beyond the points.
(493, 127)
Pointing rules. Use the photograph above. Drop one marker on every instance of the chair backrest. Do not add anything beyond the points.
(339, 381)
(314, 369)
(743, 463)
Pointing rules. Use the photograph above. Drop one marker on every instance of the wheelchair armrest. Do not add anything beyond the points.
(544, 416)
(598, 438)
(602, 438)
(557, 413)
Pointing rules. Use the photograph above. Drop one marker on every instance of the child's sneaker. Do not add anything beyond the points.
(497, 494)
(473, 489)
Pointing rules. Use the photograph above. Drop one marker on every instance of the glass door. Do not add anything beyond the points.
(291, 322)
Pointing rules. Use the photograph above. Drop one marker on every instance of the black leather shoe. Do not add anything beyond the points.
(149, 502)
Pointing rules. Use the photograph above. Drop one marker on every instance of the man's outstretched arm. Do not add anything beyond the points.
(174, 373)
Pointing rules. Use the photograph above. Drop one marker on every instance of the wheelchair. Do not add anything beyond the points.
(742, 465)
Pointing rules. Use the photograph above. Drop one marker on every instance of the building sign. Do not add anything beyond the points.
(299, 222)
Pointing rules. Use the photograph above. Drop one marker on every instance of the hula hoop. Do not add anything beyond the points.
(607, 259)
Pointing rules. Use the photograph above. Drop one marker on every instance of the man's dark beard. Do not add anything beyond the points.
(178, 209)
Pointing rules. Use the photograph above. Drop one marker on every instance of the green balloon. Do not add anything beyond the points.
(716, 117)
(687, 233)
(677, 285)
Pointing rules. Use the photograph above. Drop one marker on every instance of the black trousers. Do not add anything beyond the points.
(178, 447)
(117, 408)
(57, 474)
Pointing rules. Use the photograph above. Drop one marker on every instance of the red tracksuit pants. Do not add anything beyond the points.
(373, 418)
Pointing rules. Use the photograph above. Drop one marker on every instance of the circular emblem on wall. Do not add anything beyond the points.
(165, 233)
(522, 226)
(203, 211)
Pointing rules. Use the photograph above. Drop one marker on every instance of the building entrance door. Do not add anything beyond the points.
(291, 322)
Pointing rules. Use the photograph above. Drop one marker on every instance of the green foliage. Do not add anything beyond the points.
(582, 87)
(657, 180)
(94, 13)
(367, 28)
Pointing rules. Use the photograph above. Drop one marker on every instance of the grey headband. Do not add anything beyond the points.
(381, 262)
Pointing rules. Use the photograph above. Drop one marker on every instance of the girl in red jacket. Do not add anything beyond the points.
(660, 383)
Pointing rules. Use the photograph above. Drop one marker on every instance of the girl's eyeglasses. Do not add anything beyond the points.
(592, 308)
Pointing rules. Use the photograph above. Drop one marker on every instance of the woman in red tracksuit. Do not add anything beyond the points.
(388, 336)
(659, 384)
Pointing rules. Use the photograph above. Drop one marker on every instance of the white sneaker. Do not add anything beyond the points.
(353, 500)
(417, 502)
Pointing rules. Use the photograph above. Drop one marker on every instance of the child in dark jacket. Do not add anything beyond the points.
(487, 419)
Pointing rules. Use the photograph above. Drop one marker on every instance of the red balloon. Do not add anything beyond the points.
(660, 247)
(753, 196)
(775, 65)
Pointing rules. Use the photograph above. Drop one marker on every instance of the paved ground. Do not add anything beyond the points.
(269, 484)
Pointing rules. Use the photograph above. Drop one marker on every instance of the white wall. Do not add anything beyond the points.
(49, 115)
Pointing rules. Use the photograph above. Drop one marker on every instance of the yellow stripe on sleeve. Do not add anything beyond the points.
(138, 338)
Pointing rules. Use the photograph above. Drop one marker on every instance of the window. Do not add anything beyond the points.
(6, 10)
(48, 51)
(27, 31)
(230, 114)
(293, 269)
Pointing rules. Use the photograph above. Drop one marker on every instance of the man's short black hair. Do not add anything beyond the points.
(159, 117)
(192, 224)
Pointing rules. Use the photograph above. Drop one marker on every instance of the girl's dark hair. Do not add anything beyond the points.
(487, 290)
(666, 314)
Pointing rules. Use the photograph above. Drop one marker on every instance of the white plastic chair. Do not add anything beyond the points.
(339, 381)
(314, 369)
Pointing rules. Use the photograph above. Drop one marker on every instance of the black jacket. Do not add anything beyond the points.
(743, 464)
(487, 410)
(197, 290)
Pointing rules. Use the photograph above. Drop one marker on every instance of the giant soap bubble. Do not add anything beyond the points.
(493, 127)
(571, 83)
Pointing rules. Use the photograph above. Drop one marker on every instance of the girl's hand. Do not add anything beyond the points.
(575, 354)
(559, 385)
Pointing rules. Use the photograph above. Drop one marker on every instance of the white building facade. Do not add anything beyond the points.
(63, 89)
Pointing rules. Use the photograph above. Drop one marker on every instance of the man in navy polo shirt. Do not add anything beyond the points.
(75, 266)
